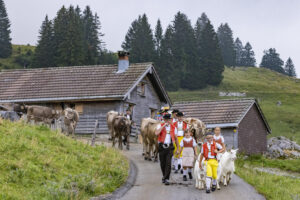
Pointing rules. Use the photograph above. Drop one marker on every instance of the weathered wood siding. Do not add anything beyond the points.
(93, 111)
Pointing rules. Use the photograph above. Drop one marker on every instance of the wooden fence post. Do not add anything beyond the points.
(94, 134)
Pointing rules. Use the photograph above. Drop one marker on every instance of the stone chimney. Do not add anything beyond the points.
(123, 61)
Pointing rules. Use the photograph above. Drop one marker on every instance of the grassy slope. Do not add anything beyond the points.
(36, 163)
(9, 63)
(268, 87)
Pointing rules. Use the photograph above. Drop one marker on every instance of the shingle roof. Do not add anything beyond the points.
(69, 82)
(226, 112)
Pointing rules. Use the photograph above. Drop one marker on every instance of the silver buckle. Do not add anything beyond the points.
(165, 146)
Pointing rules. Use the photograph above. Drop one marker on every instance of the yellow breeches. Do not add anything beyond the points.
(174, 153)
(211, 168)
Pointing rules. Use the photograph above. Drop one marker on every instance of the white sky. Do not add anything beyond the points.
(264, 23)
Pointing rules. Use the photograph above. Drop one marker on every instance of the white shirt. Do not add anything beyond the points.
(179, 131)
(218, 146)
(218, 137)
(128, 116)
(174, 120)
(168, 135)
(188, 140)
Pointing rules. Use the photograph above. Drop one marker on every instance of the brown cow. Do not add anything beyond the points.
(121, 128)
(41, 114)
(197, 127)
(71, 118)
(150, 145)
(109, 120)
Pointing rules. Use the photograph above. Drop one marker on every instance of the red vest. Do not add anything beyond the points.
(219, 141)
(188, 144)
(184, 127)
(163, 133)
(212, 149)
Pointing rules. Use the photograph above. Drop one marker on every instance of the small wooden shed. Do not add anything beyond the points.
(242, 121)
(91, 90)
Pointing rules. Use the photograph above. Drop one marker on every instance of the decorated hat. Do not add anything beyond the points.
(167, 116)
(180, 114)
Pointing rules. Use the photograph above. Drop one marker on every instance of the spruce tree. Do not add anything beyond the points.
(158, 37)
(210, 53)
(238, 48)
(91, 34)
(139, 41)
(185, 61)
(248, 56)
(289, 68)
(5, 40)
(165, 65)
(226, 44)
(271, 60)
(200, 24)
(44, 52)
(68, 34)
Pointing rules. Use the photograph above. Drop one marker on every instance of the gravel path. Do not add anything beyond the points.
(148, 184)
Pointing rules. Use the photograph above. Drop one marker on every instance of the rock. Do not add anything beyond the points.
(9, 115)
(281, 147)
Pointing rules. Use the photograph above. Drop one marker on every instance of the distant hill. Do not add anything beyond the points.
(270, 88)
(22, 55)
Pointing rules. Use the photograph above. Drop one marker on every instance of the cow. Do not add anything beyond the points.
(121, 128)
(109, 120)
(9, 115)
(71, 118)
(42, 114)
(226, 167)
(150, 144)
(197, 127)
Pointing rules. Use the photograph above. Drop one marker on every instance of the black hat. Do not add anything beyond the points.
(167, 116)
(179, 114)
(175, 111)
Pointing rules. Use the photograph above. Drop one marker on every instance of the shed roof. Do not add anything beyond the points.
(223, 113)
(75, 83)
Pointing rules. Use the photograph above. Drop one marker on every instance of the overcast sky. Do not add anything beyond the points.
(264, 23)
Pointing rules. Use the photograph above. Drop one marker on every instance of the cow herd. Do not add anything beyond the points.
(42, 114)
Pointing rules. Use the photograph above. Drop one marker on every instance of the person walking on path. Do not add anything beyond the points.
(166, 139)
(219, 139)
(209, 152)
(180, 127)
(188, 148)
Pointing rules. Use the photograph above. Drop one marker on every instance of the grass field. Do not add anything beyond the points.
(36, 163)
(267, 87)
(19, 53)
(271, 186)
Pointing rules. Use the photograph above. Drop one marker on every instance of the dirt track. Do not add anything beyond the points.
(148, 184)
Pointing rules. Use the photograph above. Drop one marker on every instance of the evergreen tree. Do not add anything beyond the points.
(68, 35)
(226, 44)
(248, 56)
(165, 65)
(91, 34)
(108, 57)
(185, 61)
(271, 60)
(5, 40)
(200, 24)
(139, 41)
(210, 53)
(238, 48)
(158, 37)
(289, 68)
(44, 52)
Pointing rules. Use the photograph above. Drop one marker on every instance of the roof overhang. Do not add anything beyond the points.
(86, 98)
(225, 125)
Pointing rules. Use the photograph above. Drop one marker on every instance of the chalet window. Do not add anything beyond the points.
(79, 108)
(142, 89)
(153, 113)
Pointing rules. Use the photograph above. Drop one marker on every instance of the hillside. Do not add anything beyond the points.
(36, 163)
(268, 87)
(21, 55)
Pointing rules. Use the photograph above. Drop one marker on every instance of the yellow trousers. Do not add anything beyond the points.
(211, 168)
(179, 138)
